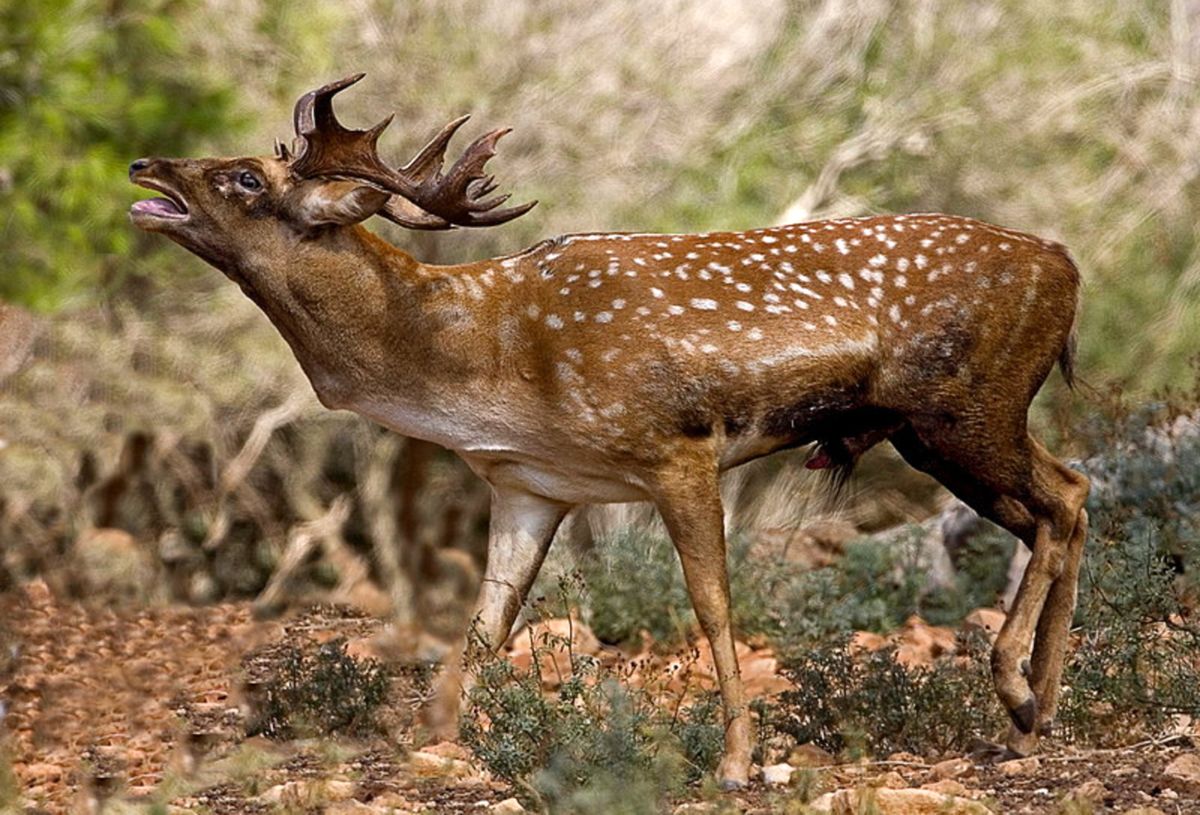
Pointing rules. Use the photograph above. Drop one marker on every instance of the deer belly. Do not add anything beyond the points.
(552, 480)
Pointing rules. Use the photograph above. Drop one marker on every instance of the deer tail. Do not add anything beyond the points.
(1066, 357)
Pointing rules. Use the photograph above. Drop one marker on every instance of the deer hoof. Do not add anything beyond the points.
(733, 774)
(1024, 715)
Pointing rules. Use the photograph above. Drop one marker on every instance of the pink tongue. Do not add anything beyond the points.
(157, 206)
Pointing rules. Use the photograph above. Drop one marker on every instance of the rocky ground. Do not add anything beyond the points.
(146, 711)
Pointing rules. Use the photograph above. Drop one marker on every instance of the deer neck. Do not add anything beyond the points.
(375, 330)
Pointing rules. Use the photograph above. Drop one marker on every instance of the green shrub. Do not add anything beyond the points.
(871, 704)
(325, 692)
(85, 88)
(635, 584)
(597, 744)
(1136, 666)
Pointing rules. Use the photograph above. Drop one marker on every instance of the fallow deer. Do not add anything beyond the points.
(612, 367)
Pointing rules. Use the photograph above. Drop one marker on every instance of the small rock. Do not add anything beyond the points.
(424, 763)
(1093, 791)
(1169, 794)
(307, 791)
(1185, 767)
(947, 786)
(352, 807)
(279, 793)
(890, 779)
(338, 789)
(886, 801)
(777, 774)
(822, 804)
(1019, 766)
(509, 806)
(40, 773)
(952, 768)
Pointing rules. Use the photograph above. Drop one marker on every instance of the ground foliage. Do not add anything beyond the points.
(859, 704)
(597, 743)
(1138, 662)
(319, 692)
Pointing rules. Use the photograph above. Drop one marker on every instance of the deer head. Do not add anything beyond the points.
(229, 211)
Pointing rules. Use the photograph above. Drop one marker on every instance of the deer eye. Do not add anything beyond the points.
(249, 180)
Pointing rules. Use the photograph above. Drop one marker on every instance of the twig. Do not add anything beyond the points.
(301, 541)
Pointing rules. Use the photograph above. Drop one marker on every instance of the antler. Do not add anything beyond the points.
(324, 147)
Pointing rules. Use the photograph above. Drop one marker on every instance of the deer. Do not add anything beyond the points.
(614, 367)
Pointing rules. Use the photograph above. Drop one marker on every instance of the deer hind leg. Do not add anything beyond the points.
(1037, 498)
(1054, 623)
(687, 495)
(519, 534)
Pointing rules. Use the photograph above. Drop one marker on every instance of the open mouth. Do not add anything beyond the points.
(171, 207)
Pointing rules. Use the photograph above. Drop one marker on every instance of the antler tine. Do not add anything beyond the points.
(314, 110)
(459, 196)
(328, 148)
(427, 163)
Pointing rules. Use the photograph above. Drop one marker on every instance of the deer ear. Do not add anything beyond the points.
(334, 203)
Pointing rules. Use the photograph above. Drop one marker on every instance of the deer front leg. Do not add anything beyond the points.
(689, 500)
(519, 534)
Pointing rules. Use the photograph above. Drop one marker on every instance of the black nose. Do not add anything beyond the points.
(140, 164)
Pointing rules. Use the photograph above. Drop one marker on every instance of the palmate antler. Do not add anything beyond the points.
(429, 198)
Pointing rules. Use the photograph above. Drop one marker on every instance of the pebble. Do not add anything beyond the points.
(509, 806)
(776, 775)
(1019, 766)
(952, 768)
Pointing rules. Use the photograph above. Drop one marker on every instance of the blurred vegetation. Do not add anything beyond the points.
(85, 87)
(1138, 664)
(636, 584)
(1076, 121)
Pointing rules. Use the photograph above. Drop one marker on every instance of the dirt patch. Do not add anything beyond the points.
(149, 707)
